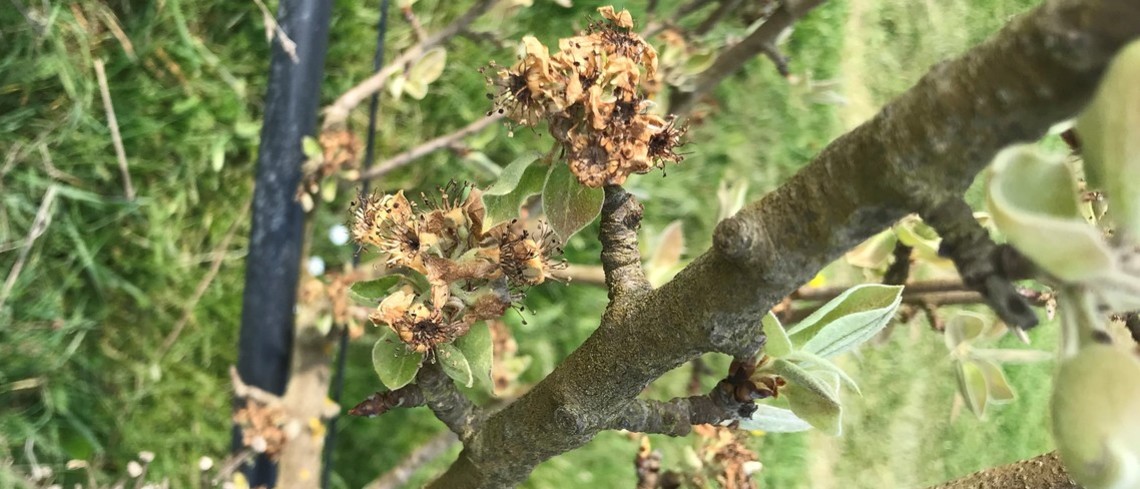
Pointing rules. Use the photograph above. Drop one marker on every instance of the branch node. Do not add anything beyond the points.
(621, 259)
(732, 238)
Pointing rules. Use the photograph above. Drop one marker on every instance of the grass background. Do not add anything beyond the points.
(83, 370)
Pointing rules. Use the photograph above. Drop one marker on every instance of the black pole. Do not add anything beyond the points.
(274, 260)
(369, 157)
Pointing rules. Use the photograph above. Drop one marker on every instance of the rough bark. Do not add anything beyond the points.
(919, 152)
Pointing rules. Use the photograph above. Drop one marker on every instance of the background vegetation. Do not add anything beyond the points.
(94, 364)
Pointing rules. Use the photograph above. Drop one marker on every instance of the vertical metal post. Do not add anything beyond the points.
(274, 260)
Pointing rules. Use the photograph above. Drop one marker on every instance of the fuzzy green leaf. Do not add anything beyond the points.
(809, 360)
(518, 181)
(853, 318)
(311, 148)
(455, 364)
(805, 379)
(874, 252)
(823, 412)
(778, 344)
(428, 68)
(997, 386)
(774, 420)
(374, 290)
(1033, 200)
(393, 361)
(477, 347)
(972, 386)
(963, 327)
(569, 206)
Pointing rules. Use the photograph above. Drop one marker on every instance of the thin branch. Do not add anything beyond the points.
(337, 113)
(760, 41)
(273, 29)
(445, 400)
(381, 402)
(581, 274)
(1040, 472)
(116, 138)
(414, 22)
(899, 269)
(621, 259)
(977, 258)
(246, 391)
(40, 224)
(715, 16)
(426, 148)
(729, 401)
(399, 475)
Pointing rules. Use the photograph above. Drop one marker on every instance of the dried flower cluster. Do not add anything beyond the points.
(593, 93)
(472, 274)
(262, 428)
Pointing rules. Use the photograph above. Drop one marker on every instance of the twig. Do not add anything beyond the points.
(414, 22)
(584, 274)
(621, 259)
(426, 148)
(337, 113)
(899, 270)
(204, 284)
(399, 475)
(715, 16)
(273, 29)
(730, 400)
(39, 225)
(381, 402)
(761, 40)
(246, 391)
(116, 138)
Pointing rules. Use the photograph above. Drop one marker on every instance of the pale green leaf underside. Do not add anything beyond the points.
(774, 420)
(777, 344)
(455, 364)
(394, 363)
(569, 206)
(478, 348)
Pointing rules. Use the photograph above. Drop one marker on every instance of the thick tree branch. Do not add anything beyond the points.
(1042, 68)
(760, 41)
(1040, 472)
(621, 260)
(427, 147)
(337, 113)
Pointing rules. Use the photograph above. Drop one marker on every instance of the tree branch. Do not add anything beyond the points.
(337, 113)
(976, 256)
(760, 41)
(1040, 472)
(621, 260)
(449, 405)
(1042, 68)
(677, 417)
(426, 148)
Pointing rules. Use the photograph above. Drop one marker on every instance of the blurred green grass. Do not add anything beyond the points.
(82, 371)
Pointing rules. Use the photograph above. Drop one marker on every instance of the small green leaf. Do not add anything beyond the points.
(824, 413)
(428, 68)
(374, 290)
(972, 386)
(808, 359)
(809, 381)
(311, 148)
(1033, 200)
(394, 362)
(997, 386)
(963, 327)
(778, 344)
(455, 364)
(856, 316)
(518, 181)
(774, 420)
(396, 85)
(415, 89)
(874, 252)
(477, 347)
(569, 206)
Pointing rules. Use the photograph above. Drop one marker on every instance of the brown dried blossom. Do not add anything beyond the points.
(262, 428)
(471, 274)
(726, 456)
(594, 94)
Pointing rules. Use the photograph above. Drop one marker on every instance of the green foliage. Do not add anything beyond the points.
(394, 363)
(372, 291)
(568, 205)
(477, 347)
(455, 364)
(516, 183)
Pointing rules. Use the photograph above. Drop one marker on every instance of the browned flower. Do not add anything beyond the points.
(388, 223)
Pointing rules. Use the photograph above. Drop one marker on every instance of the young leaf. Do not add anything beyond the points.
(963, 327)
(455, 364)
(997, 386)
(477, 347)
(1033, 200)
(812, 360)
(874, 252)
(569, 206)
(867, 312)
(518, 181)
(393, 361)
(808, 381)
(774, 420)
(374, 290)
(778, 344)
(824, 413)
(972, 386)
(866, 297)
(429, 67)
(667, 254)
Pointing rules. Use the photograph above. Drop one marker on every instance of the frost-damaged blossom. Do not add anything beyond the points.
(594, 94)
(455, 272)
